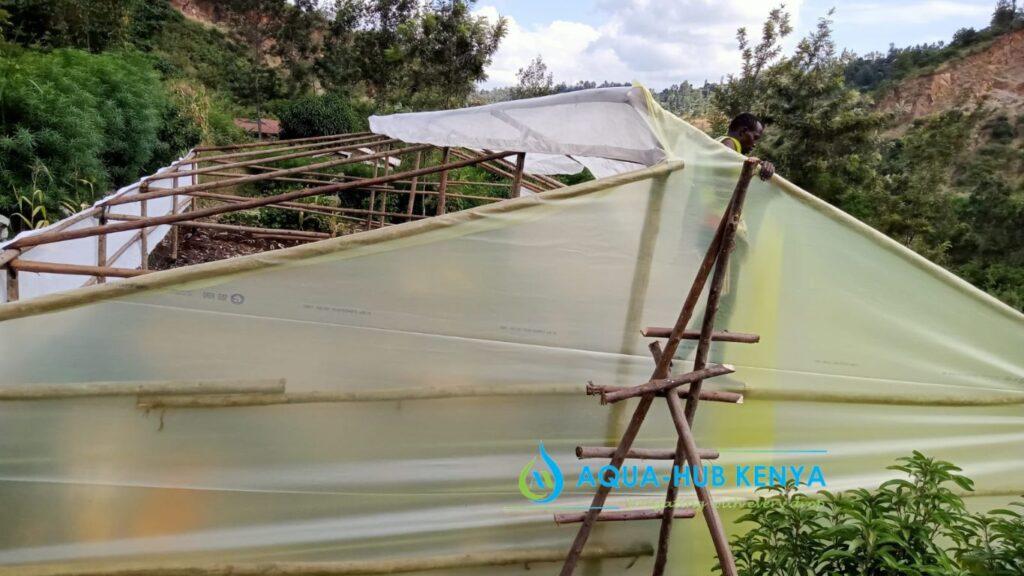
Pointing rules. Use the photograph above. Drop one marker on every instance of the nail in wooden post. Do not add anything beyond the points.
(517, 180)
(412, 187)
(442, 186)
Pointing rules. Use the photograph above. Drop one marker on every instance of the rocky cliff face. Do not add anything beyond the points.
(993, 76)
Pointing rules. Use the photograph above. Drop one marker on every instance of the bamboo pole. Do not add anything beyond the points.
(442, 186)
(74, 269)
(664, 385)
(623, 515)
(140, 388)
(496, 171)
(587, 452)
(8, 254)
(724, 336)
(290, 141)
(253, 203)
(446, 563)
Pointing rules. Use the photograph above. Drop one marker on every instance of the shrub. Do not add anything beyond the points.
(909, 526)
(321, 115)
(75, 124)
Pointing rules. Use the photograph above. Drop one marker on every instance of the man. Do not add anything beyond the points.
(744, 132)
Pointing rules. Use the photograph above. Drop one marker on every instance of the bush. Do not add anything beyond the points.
(914, 526)
(75, 124)
(321, 115)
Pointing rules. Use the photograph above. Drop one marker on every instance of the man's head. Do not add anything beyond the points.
(747, 129)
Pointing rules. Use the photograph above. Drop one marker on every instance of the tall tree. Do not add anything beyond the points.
(534, 80)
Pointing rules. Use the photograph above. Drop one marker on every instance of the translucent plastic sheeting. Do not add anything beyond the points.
(603, 129)
(123, 248)
(867, 352)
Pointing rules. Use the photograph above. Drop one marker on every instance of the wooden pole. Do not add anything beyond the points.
(623, 515)
(74, 269)
(517, 179)
(289, 141)
(442, 186)
(725, 336)
(664, 385)
(130, 198)
(682, 391)
(12, 284)
(144, 238)
(373, 192)
(101, 247)
(272, 150)
(384, 193)
(254, 230)
(175, 233)
(252, 203)
(412, 187)
(640, 412)
(586, 452)
(683, 417)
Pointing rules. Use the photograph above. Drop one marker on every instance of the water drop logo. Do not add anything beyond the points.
(549, 480)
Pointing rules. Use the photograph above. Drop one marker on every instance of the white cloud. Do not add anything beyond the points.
(923, 12)
(657, 42)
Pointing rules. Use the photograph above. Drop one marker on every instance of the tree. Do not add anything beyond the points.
(258, 23)
(822, 134)
(534, 80)
(1004, 15)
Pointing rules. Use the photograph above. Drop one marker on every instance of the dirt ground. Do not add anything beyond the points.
(201, 245)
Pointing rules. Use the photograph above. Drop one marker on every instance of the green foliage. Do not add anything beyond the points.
(408, 54)
(534, 80)
(917, 525)
(320, 116)
(86, 122)
(822, 134)
(93, 25)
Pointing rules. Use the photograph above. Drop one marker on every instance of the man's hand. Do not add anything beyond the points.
(767, 170)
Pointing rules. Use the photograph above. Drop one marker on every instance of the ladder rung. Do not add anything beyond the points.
(583, 452)
(725, 336)
(710, 395)
(623, 515)
(655, 386)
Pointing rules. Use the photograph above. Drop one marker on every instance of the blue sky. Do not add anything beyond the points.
(661, 42)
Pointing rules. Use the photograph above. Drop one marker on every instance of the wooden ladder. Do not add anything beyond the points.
(671, 388)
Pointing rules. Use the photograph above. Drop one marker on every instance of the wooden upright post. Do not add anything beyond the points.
(517, 179)
(442, 186)
(175, 241)
(101, 246)
(412, 187)
(384, 193)
(144, 238)
(12, 284)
